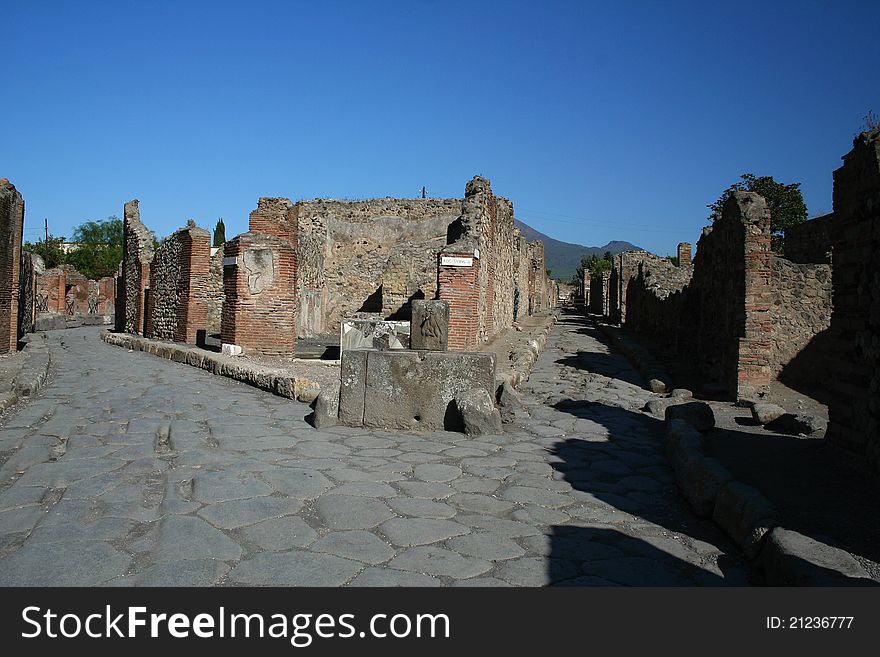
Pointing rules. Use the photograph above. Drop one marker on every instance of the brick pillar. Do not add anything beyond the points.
(754, 370)
(195, 263)
(259, 282)
(11, 227)
(458, 283)
(684, 253)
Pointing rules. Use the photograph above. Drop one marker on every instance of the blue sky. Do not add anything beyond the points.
(599, 120)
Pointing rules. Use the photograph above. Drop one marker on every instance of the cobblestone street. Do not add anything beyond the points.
(128, 469)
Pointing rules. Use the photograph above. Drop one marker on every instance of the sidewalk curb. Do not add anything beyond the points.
(33, 373)
(743, 513)
(270, 379)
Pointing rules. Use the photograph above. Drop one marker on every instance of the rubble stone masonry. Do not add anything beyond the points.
(179, 280)
(137, 255)
(854, 410)
(11, 227)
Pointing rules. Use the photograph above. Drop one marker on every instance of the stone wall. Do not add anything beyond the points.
(11, 227)
(31, 264)
(179, 286)
(810, 241)
(717, 313)
(137, 255)
(801, 310)
(487, 272)
(384, 250)
(215, 292)
(260, 282)
(854, 409)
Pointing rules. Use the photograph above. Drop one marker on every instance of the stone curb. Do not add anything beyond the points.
(33, 373)
(639, 357)
(57, 322)
(743, 513)
(524, 353)
(270, 379)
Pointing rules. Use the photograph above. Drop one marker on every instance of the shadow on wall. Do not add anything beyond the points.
(809, 371)
(373, 303)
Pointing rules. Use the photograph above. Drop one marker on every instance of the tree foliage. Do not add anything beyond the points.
(593, 264)
(49, 250)
(219, 233)
(99, 247)
(785, 202)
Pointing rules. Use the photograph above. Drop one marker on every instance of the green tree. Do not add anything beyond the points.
(49, 250)
(785, 202)
(593, 264)
(220, 233)
(99, 247)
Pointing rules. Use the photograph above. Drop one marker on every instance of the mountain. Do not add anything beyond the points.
(563, 258)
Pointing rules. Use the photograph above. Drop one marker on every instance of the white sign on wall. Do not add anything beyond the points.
(229, 261)
(455, 261)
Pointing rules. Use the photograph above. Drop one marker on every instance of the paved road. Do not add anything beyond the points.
(133, 470)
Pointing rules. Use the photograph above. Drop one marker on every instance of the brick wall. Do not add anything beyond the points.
(854, 410)
(136, 258)
(11, 226)
(260, 282)
(458, 285)
(179, 286)
(683, 252)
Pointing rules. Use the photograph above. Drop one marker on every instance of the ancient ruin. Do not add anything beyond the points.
(11, 225)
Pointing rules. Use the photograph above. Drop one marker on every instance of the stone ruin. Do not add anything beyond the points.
(11, 227)
(426, 388)
(746, 316)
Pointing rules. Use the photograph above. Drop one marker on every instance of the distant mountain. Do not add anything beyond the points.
(563, 258)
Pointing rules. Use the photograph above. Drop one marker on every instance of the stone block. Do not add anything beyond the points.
(792, 559)
(700, 478)
(352, 386)
(416, 390)
(698, 414)
(430, 324)
(230, 349)
(478, 412)
(325, 409)
(745, 515)
(764, 413)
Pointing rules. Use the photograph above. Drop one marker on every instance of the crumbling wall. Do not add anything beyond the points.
(810, 242)
(11, 227)
(487, 270)
(854, 411)
(349, 250)
(800, 311)
(179, 285)
(63, 290)
(136, 258)
(260, 282)
(31, 263)
(215, 292)
(599, 293)
(718, 312)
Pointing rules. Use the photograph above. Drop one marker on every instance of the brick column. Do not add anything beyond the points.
(684, 253)
(754, 367)
(195, 262)
(11, 227)
(458, 283)
(259, 281)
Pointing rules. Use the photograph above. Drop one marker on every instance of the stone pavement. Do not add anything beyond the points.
(128, 469)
